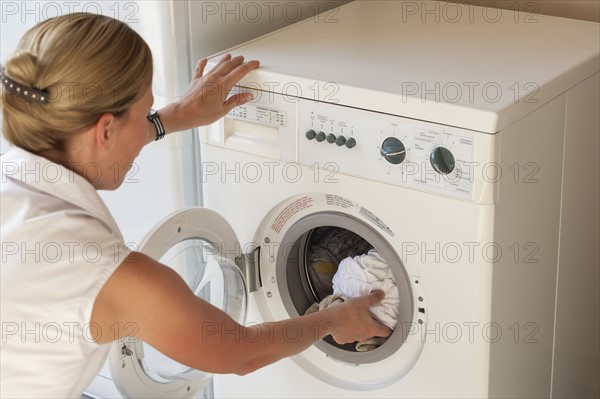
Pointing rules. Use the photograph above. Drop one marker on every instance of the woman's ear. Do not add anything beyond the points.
(104, 131)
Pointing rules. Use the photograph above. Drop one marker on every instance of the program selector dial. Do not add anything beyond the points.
(393, 150)
(442, 160)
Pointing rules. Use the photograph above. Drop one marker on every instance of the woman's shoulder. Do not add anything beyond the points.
(54, 219)
(41, 194)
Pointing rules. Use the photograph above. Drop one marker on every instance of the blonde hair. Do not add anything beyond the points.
(87, 64)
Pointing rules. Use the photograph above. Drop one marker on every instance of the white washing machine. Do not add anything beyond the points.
(461, 143)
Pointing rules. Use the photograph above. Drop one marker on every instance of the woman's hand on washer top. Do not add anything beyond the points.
(205, 99)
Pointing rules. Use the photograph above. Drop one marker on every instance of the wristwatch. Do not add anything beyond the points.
(155, 119)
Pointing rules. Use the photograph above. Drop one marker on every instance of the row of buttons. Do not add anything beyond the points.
(331, 138)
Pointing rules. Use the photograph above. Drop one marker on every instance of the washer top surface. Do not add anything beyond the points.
(460, 65)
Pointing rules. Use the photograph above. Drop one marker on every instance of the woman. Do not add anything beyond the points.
(76, 99)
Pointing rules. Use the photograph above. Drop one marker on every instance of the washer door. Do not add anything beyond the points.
(191, 241)
(289, 286)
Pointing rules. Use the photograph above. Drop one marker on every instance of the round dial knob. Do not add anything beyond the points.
(311, 134)
(351, 143)
(340, 141)
(331, 138)
(393, 150)
(320, 136)
(442, 160)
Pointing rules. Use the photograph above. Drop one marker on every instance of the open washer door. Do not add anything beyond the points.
(200, 245)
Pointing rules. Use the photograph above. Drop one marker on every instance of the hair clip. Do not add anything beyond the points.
(26, 92)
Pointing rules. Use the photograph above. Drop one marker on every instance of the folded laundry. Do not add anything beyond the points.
(359, 275)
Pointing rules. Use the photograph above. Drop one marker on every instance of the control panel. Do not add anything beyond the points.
(388, 148)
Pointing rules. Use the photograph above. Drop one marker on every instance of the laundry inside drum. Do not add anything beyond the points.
(321, 253)
(324, 249)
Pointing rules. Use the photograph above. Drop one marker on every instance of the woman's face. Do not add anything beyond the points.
(133, 133)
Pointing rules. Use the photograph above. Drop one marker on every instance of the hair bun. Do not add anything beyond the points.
(22, 67)
(79, 63)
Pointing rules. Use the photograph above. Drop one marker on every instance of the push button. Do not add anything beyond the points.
(341, 140)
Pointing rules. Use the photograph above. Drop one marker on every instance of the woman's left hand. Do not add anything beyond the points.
(205, 100)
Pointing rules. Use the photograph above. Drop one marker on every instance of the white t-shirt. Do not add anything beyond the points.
(60, 245)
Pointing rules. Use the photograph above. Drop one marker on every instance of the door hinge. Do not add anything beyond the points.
(249, 263)
(125, 351)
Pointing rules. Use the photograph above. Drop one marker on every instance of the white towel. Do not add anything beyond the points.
(362, 274)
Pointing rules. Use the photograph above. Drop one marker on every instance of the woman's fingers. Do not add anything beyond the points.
(223, 60)
(200, 66)
(356, 323)
(237, 100)
(232, 70)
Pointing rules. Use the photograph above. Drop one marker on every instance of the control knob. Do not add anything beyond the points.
(331, 138)
(393, 150)
(320, 136)
(311, 134)
(442, 160)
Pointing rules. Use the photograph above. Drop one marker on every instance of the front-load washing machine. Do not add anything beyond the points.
(460, 142)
